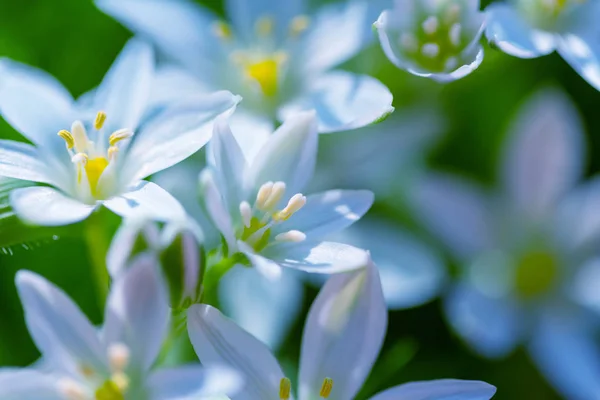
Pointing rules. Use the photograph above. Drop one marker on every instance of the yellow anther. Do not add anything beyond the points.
(265, 73)
(285, 387)
(86, 371)
(298, 25)
(275, 196)
(296, 203)
(118, 356)
(67, 137)
(119, 135)
(265, 26)
(100, 119)
(326, 388)
(222, 30)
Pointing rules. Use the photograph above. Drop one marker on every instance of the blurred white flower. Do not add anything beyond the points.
(343, 335)
(437, 39)
(278, 55)
(102, 151)
(81, 362)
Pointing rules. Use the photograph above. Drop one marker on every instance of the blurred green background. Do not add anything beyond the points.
(76, 43)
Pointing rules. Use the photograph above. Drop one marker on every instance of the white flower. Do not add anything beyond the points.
(342, 338)
(278, 55)
(259, 209)
(80, 362)
(102, 149)
(437, 39)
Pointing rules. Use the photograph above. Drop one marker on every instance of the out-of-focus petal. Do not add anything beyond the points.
(584, 287)
(491, 326)
(173, 83)
(251, 131)
(443, 389)
(215, 208)
(455, 211)
(507, 30)
(269, 269)
(566, 352)
(264, 308)
(22, 161)
(219, 341)
(45, 206)
(343, 334)
(583, 54)
(28, 384)
(544, 155)
(289, 155)
(343, 101)
(146, 198)
(137, 312)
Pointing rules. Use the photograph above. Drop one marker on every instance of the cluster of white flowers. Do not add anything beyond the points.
(257, 90)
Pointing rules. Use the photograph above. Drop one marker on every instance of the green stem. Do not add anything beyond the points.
(97, 245)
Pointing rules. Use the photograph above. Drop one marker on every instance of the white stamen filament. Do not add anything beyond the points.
(79, 158)
(430, 50)
(263, 195)
(455, 32)
(112, 152)
(246, 213)
(71, 389)
(275, 195)
(293, 236)
(118, 356)
(431, 25)
(79, 137)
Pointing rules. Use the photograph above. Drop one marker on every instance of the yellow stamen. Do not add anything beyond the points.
(119, 135)
(285, 386)
(264, 26)
(326, 388)
(265, 73)
(67, 137)
(100, 119)
(120, 380)
(94, 168)
(298, 25)
(222, 30)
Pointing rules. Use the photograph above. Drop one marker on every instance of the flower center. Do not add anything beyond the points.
(544, 13)
(92, 159)
(259, 219)
(285, 388)
(536, 273)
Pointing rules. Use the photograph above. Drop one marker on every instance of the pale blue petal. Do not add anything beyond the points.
(269, 269)
(471, 62)
(137, 312)
(583, 54)
(60, 330)
(173, 83)
(507, 30)
(179, 28)
(288, 156)
(22, 161)
(46, 206)
(244, 15)
(455, 211)
(566, 352)
(320, 258)
(251, 130)
(34, 103)
(146, 198)
(329, 212)
(343, 334)
(193, 381)
(219, 341)
(585, 283)
(343, 101)
(228, 165)
(442, 389)
(175, 134)
(544, 154)
(491, 326)
(125, 90)
(28, 384)
(265, 309)
(214, 207)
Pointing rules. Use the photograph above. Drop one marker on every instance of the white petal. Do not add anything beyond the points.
(219, 341)
(34, 103)
(321, 258)
(22, 161)
(180, 29)
(262, 307)
(343, 334)
(584, 287)
(544, 156)
(148, 199)
(491, 326)
(251, 131)
(173, 83)
(48, 207)
(455, 211)
(193, 381)
(244, 15)
(289, 155)
(329, 212)
(216, 209)
(177, 133)
(443, 389)
(513, 35)
(137, 312)
(124, 92)
(228, 165)
(583, 54)
(62, 333)
(269, 269)
(565, 349)
(28, 384)
(343, 101)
